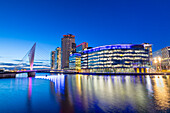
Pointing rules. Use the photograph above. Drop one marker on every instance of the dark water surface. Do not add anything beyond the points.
(83, 93)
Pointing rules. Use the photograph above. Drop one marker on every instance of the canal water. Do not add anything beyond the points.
(85, 94)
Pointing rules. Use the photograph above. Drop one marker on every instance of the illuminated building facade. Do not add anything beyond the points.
(75, 57)
(164, 55)
(68, 45)
(53, 60)
(58, 58)
(75, 61)
(149, 47)
(115, 58)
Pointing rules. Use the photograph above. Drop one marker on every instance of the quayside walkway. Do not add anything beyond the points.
(32, 73)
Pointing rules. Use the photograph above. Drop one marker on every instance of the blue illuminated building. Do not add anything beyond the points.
(115, 58)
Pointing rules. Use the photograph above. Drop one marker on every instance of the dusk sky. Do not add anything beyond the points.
(98, 22)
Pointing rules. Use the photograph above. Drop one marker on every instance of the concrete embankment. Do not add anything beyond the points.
(7, 75)
(92, 73)
(32, 74)
(13, 74)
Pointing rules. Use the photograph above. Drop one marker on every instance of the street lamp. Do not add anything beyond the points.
(159, 59)
(156, 61)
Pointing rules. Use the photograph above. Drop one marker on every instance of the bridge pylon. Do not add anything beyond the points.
(31, 56)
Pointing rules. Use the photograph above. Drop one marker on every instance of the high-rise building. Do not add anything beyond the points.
(53, 60)
(81, 47)
(68, 45)
(73, 48)
(58, 58)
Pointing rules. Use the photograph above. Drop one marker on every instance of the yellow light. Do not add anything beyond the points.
(155, 61)
(159, 58)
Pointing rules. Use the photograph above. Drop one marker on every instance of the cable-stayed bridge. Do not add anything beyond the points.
(28, 64)
(33, 60)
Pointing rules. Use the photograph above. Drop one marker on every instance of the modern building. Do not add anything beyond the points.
(75, 57)
(53, 60)
(161, 59)
(58, 58)
(81, 47)
(116, 58)
(75, 61)
(68, 45)
(149, 47)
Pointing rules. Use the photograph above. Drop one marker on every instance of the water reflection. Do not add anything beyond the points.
(161, 92)
(29, 94)
(61, 93)
(29, 88)
(81, 93)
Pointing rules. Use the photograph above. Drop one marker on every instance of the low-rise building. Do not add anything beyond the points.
(75, 61)
(116, 58)
(161, 59)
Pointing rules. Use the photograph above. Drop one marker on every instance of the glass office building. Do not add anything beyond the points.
(75, 61)
(116, 58)
(164, 55)
(75, 57)
(81, 47)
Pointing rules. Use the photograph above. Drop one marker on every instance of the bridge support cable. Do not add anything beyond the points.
(24, 63)
(42, 57)
(38, 60)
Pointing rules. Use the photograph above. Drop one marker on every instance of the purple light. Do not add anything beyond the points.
(119, 46)
(30, 88)
(76, 54)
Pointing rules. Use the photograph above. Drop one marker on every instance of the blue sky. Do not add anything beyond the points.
(98, 22)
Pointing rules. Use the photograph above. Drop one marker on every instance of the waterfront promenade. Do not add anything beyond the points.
(32, 73)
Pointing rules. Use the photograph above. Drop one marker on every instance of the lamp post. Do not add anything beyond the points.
(155, 61)
(159, 59)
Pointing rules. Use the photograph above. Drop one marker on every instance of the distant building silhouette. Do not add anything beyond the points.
(58, 58)
(53, 60)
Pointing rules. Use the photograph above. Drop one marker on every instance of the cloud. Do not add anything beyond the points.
(38, 62)
(43, 60)
(9, 64)
(24, 64)
(17, 60)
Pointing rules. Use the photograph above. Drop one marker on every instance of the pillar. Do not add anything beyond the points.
(31, 74)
